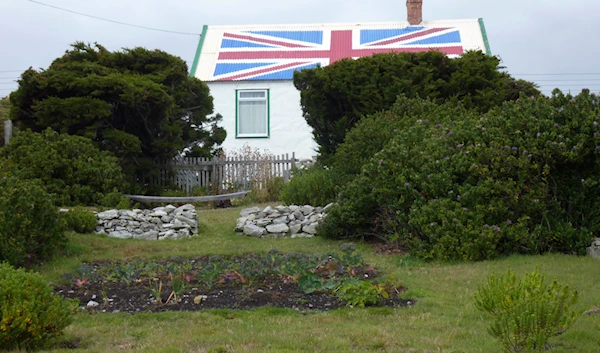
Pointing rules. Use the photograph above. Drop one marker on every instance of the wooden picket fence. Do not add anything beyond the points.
(221, 175)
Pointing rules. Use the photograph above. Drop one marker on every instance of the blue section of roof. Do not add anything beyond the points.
(304, 36)
(225, 68)
(282, 75)
(373, 35)
(452, 37)
(233, 43)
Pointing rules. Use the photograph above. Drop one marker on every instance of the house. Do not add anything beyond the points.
(249, 69)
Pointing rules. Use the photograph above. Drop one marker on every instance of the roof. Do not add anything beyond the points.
(274, 52)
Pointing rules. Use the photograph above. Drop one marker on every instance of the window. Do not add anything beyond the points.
(252, 115)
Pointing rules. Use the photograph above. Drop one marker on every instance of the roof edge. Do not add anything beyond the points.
(198, 51)
(333, 24)
(488, 51)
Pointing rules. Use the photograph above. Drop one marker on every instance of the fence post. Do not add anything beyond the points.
(7, 131)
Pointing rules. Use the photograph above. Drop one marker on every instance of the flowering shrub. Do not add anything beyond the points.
(521, 178)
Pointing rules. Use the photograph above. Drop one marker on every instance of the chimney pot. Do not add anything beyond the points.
(414, 11)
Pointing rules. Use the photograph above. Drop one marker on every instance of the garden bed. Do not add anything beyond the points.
(295, 280)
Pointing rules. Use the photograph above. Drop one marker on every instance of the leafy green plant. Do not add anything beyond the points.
(460, 185)
(526, 313)
(30, 315)
(335, 97)
(316, 185)
(30, 230)
(357, 293)
(72, 169)
(79, 219)
(309, 282)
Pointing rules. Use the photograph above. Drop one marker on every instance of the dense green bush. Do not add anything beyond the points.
(72, 169)
(29, 223)
(526, 313)
(315, 185)
(30, 315)
(79, 219)
(335, 97)
(374, 131)
(519, 179)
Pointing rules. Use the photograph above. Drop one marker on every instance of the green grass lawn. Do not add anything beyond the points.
(443, 320)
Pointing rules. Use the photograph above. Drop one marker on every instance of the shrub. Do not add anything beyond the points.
(526, 313)
(29, 222)
(315, 185)
(71, 168)
(335, 97)
(465, 186)
(80, 220)
(373, 132)
(30, 314)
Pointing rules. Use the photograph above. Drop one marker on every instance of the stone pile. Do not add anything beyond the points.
(594, 249)
(283, 221)
(167, 222)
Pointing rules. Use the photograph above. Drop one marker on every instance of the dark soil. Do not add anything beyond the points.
(137, 297)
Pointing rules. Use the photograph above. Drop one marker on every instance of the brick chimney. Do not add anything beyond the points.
(414, 9)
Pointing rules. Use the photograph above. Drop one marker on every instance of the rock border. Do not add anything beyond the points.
(282, 221)
(160, 223)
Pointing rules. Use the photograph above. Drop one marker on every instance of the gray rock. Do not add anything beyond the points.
(263, 222)
(170, 208)
(278, 228)
(158, 213)
(92, 304)
(328, 206)
(298, 215)
(253, 230)
(248, 211)
(191, 222)
(594, 249)
(239, 224)
(280, 220)
(306, 209)
(186, 207)
(310, 228)
(166, 219)
(183, 233)
(121, 234)
(291, 217)
(149, 235)
(110, 214)
(302, 235)
(282, 209)
(295, 228)
(268, 210)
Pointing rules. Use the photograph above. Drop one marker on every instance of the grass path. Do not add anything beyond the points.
(443, 320)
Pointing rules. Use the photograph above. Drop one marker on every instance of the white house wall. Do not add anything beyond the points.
(289, 131)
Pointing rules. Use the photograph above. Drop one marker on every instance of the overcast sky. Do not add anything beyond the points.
(531, 36)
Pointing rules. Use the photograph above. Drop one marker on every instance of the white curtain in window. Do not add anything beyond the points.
(252, 117)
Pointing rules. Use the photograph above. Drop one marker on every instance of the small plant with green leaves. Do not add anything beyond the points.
(357, 293)
(79, 219)
(30, 315)
(528, 312)
(310, 283)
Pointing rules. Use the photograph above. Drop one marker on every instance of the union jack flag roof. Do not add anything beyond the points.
(274, 52)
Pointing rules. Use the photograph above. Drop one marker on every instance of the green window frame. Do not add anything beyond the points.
(246, 98)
